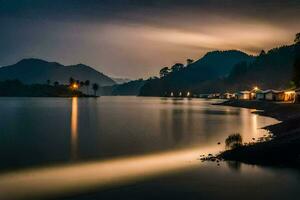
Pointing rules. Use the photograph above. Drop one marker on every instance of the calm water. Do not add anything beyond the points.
(126, 147)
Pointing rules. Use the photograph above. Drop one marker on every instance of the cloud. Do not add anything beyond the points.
(135, 38)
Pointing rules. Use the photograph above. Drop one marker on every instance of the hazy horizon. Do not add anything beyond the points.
(134, 39)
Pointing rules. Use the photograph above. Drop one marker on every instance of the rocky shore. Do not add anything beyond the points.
(283, 149)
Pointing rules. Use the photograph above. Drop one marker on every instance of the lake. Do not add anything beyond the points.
(130, 148)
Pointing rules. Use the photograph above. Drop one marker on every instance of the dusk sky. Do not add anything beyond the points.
(135, 38)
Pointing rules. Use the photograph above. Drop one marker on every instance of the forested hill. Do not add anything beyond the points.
(273, 69)
(226, 71)
(212, 66)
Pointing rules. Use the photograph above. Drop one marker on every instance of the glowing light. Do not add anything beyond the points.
(290, 96)
(74, 86)
(256, 88)
(172, 94)
(180, 93)
(188, 94)
(289, 92)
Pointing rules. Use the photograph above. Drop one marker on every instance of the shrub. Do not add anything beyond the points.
(233, 141)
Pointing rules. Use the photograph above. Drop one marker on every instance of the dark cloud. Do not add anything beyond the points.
(135, 37)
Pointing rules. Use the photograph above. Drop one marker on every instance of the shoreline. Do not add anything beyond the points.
(283, 149)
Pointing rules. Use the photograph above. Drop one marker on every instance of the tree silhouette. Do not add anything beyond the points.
(297, 38)
(189, 61)
(87, 84)
(56, 83)
(296, 72)
(48, 82)
(262, 53)
(177, 67)
(164, 72)
(95, 88)
(81, 83)
(71, 80)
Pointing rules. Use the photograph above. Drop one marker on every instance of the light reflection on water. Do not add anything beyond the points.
(129, 138)
(74, 128)
(52, 181)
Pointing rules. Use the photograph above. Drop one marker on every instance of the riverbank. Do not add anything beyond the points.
(283, 149)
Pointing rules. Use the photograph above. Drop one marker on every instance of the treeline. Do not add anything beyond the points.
(15, 88)
(77, 85)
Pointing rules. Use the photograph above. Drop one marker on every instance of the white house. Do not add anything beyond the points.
(274, 95)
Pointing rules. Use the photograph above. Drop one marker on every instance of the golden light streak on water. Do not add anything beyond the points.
(60, 180)
(255, 126)
(74, 128)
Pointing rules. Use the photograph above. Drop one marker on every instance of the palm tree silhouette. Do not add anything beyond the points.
(87, 84)
(95, 88)
(71, 80)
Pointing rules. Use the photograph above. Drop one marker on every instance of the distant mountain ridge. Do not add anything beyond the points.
(31, 71)
(131, 88)
(121, 80)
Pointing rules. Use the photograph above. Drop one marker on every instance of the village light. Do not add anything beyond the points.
(289, 92)
(188, 94)
(255, 88)
(74, 86)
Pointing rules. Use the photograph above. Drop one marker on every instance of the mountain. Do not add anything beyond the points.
(32, 71)
(212, 66)
(131, 88)
(121, 80)
(219, 63)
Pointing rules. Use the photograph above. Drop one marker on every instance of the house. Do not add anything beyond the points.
(244, 95)
(274, 95)
(291, 95)
(297, 96)
(260, 95)
(227, 95)
(214, 96)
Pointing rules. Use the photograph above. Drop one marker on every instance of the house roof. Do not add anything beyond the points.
(272, 91)
(244, 92)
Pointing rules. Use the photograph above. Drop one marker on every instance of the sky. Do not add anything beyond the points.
(135, 38)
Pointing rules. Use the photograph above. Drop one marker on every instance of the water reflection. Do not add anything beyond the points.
(74, 129)
(173, 132)
(61, 180)
(234, 165)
